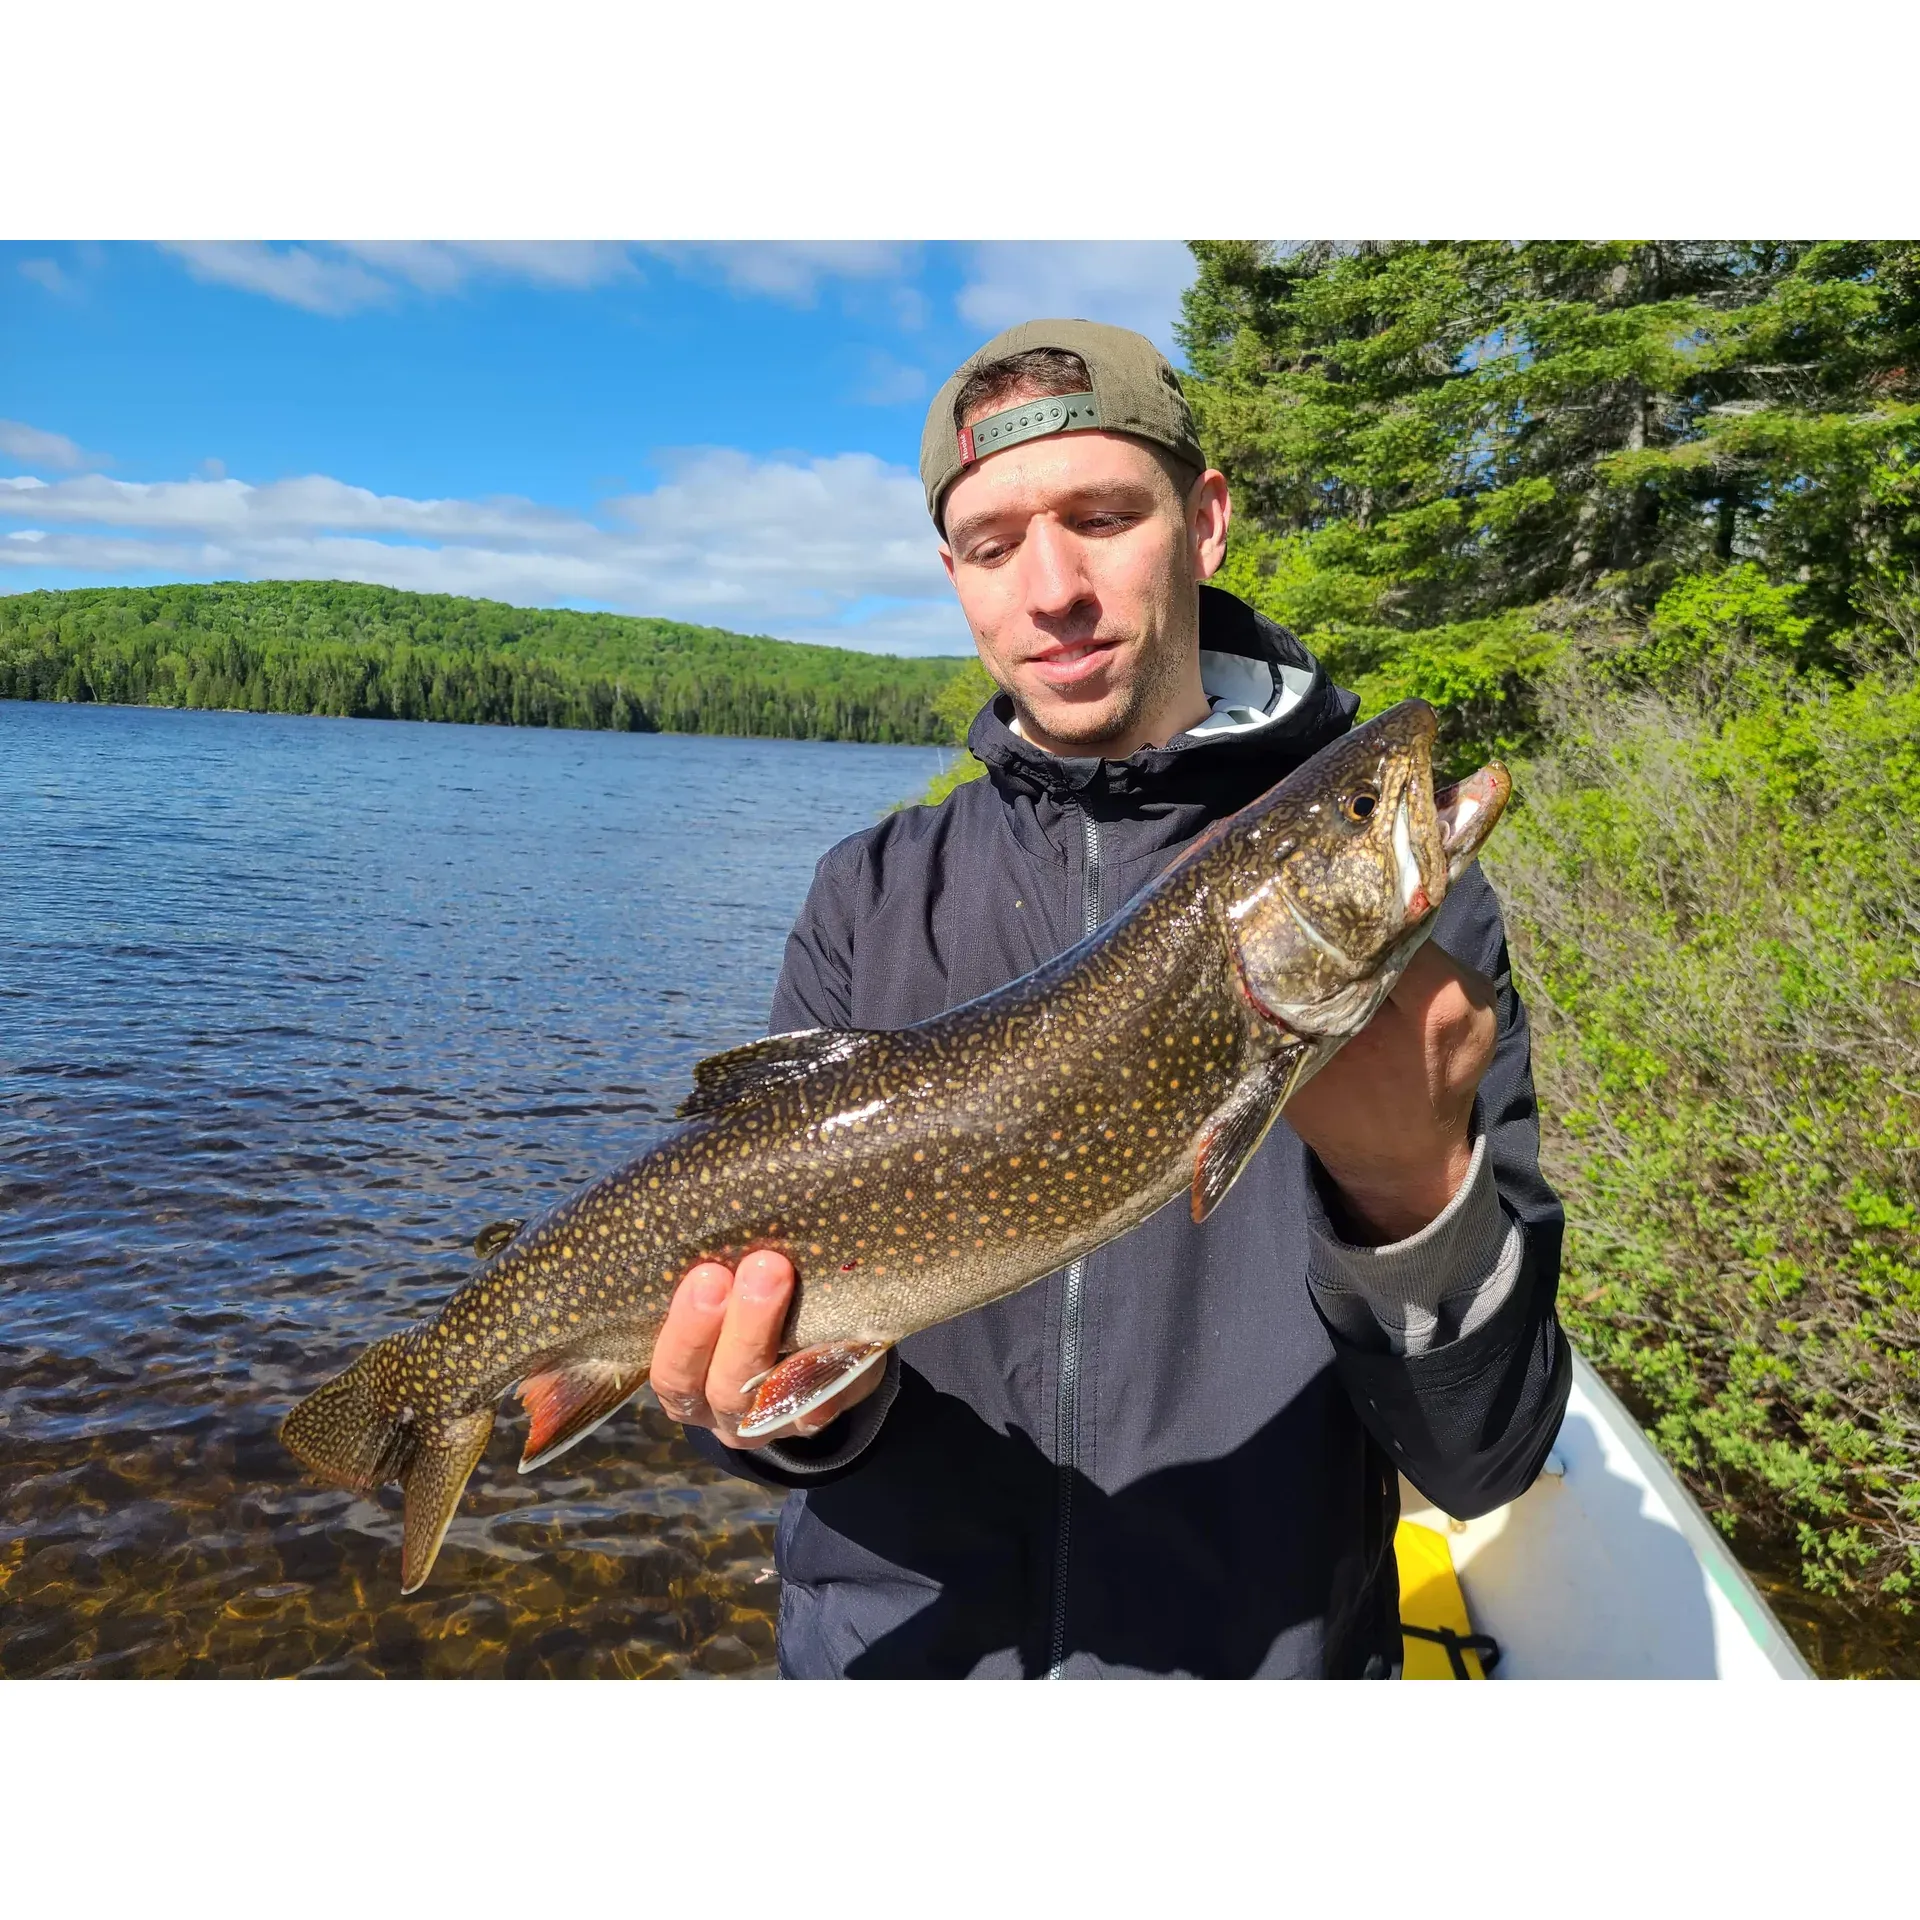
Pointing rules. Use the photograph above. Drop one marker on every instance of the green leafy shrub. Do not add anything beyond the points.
(1719, 635)
(954, 708)
(1716, 925)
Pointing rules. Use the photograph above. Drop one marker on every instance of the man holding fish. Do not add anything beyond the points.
(913, 1258)
(1178, 1454)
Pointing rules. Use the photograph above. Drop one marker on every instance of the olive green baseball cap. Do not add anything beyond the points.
(1132, 389)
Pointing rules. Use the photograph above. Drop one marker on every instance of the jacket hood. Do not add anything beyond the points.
(1273, 707)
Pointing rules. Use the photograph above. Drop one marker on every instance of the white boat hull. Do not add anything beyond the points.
(1607, 1569)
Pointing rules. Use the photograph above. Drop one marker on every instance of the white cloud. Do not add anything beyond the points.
(444, 266)
(50, 275)
(887, 382)
(228, 506)
(354, 275)
(790, 270)
(1127, 283)
(774, 533)
(298, 276)
(837, 549)
(350, 276)
(38, 448)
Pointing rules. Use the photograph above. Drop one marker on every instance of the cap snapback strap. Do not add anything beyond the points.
(1057, 413)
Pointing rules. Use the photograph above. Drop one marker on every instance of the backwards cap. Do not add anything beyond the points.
(1132, 390)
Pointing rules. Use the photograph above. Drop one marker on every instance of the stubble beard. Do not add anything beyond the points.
(1155, 679)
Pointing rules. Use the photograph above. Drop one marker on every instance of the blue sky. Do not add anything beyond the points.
(722, 433)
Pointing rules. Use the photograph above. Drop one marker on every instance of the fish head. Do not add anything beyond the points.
(1339, 871)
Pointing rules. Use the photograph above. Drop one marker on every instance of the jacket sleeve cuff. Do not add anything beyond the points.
(1428, 1290)
(838, 1446)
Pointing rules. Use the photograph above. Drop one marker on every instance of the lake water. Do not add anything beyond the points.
(289, 1009)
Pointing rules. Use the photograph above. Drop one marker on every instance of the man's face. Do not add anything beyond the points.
(1076, 559)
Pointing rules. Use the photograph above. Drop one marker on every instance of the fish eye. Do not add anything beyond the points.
(1360, 805)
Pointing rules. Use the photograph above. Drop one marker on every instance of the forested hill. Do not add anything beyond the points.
(332, 647)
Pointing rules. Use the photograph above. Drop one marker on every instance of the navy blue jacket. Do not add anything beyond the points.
(1170, 1462)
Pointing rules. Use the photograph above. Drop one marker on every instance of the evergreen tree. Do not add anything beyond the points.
(334, 647)
(1445, 453)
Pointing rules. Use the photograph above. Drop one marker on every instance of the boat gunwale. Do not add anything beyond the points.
(1700, 1534)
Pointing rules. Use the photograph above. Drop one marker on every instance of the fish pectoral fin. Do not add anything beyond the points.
(565, 1403)
(492, 1237)
(1237, 1130)
(723, 1078)
(806, 1380)
(434, 1479)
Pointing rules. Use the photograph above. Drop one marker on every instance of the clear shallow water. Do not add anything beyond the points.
(289, 1009)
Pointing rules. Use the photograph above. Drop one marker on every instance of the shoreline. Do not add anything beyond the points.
(490, 726)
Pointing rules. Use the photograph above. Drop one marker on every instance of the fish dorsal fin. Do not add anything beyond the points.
(726, 1077)
(495, 1235)
(1237, 1130)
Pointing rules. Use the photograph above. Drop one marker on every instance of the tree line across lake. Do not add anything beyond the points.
(333, 647)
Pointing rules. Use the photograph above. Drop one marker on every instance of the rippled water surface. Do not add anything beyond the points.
(289, 1008)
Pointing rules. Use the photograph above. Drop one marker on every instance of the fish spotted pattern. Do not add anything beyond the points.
(912, 1176)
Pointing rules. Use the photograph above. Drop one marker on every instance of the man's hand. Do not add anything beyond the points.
(1389, 1117)
(722, 1330)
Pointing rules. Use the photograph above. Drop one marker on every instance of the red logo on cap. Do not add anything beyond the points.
(966, 446)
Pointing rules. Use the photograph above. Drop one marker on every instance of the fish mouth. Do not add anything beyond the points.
(1467, 811)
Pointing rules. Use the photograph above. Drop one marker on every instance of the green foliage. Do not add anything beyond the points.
(1715, 921)
(1721, 637)
(955, 706)
(1481, 674)
(1426, 434)
(1645, 519)
(332, 647)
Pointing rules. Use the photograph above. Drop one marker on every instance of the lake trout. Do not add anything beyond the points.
(914, 1175)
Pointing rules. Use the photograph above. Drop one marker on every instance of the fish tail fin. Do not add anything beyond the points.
(357, 1431)
(434, 1481)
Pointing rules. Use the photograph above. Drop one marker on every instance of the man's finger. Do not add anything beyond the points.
(750, 1341)
(683, 1354)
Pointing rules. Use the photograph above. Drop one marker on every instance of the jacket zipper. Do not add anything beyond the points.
(1066, 1406)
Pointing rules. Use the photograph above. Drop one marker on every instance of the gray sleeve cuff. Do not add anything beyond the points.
(1428, 1290)
(841, 1444)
